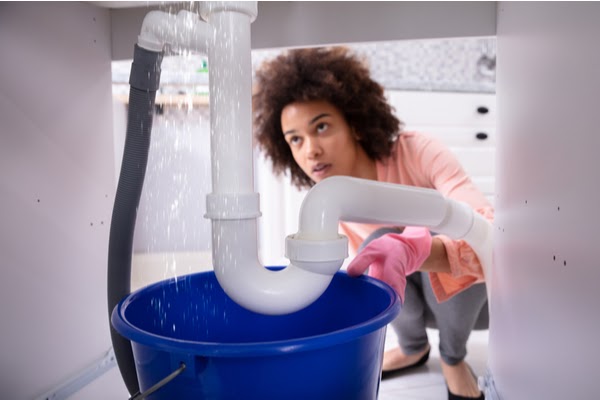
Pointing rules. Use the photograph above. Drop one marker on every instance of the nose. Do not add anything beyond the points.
(313, 147)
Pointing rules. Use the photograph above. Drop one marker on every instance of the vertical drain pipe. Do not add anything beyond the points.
(233, 206)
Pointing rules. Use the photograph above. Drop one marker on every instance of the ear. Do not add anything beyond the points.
(355, 134)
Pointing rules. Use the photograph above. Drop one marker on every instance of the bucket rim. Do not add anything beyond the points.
(258, 348)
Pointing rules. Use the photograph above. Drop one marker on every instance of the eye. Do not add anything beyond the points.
(322, 127)
(294, 140)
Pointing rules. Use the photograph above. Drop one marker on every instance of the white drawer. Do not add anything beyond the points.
(476, 162)
(469, 136)
(427, 108)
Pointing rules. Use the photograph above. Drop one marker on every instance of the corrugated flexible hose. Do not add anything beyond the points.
(144, 81)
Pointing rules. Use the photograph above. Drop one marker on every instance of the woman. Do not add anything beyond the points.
(318, 113)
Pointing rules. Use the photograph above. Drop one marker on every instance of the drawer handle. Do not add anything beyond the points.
(483, 110)
(481, 135)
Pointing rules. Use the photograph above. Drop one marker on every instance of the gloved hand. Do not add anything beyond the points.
(394, 256)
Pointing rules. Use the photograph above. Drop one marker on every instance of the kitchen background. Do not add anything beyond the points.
(443, 87)
(58, 154)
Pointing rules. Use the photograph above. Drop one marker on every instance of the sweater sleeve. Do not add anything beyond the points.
(448, 177)
(465, 268)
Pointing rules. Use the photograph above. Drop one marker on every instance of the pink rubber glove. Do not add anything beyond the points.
(394, 256)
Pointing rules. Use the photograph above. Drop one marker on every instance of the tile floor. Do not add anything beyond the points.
(427, 382)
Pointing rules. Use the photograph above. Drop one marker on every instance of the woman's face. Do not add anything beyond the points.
(322, 142)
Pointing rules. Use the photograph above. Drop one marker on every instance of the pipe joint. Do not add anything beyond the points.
(249, 8)
(154, 28)
(318, 256)
(220, 206)
(458, 220)
(145, 69)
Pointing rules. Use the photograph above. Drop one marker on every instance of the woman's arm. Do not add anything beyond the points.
(438, 258)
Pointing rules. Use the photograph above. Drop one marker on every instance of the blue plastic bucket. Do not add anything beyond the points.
(330, 350)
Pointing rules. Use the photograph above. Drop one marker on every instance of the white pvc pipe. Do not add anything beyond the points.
(248, 283)
(317, 251)
(233, 206)
(230, 67)
(357, 200)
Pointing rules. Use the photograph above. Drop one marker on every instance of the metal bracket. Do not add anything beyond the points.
(488, 386)
(83, 378)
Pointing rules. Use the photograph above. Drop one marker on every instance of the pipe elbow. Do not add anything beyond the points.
(480, 238)
(269, 292)
(248, 283)
(366, 201)
(184, 31)
(153, 30)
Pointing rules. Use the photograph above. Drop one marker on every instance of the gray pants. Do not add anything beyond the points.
(454, 318)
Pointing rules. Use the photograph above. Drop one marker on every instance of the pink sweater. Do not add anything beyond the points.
(418, 160)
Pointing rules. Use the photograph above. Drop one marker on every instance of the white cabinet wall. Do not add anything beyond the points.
(465, 122)
(57, 186)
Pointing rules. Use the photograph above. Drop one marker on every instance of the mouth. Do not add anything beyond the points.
(321, 169)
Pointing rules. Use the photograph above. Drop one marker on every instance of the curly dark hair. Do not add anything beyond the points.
(331, 74)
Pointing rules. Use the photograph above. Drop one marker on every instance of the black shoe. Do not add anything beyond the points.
(393, 372)
(452, 396)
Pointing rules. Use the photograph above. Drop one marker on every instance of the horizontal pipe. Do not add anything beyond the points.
(350, 199)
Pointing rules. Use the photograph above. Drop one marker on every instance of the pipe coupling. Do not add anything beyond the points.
(321, 256)
(249, 8)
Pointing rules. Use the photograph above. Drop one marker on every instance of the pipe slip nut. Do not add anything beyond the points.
(323, 256)
(249, 8)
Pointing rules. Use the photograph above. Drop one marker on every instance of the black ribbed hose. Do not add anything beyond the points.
(144, 82)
